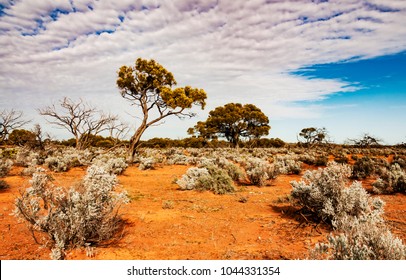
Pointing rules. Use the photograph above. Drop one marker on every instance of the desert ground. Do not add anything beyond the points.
(164, 222)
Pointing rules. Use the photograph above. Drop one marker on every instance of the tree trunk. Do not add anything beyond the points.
(134, 143)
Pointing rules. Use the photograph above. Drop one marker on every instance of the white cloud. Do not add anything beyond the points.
(239, 51)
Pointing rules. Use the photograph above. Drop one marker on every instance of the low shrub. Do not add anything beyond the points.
(363, 238)
(80, 216)
(326, 194)
(146, 163)
(287, 165)
(5, 167)
(3, 185)
(363, 168)
(258, 171)
(209, 178)
(234, 171)
(321, 161)
(393, 180)
(111, 164)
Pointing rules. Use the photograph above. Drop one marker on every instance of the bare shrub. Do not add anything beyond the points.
(80, 216)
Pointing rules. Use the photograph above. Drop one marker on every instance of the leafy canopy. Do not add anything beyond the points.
(149, 85)
(233, 121)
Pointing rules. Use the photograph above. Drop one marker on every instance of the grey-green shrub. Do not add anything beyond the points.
(258, 171)
(394, 180)
(363, 238)
(287, 165)
(80, 216)
(234, 171)
(111, 163)
(326, 194)
(5, 166)
(146, 163)
(209, 178)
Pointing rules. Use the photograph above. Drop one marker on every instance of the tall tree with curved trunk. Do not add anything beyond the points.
(233, 121)
(148, 85)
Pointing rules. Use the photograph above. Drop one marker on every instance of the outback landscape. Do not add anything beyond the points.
(168, 215)
(281, 138)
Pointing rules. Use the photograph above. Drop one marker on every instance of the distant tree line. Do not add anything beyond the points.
(150, 87)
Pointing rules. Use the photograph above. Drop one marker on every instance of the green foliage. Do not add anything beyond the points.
(149, 85)
(311, 136)
(233, 121)
(22, 137)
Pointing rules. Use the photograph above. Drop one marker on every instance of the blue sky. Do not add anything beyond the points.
(377, 107)
(335, 64)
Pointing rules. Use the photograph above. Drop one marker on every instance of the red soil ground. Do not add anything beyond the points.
(163, 222)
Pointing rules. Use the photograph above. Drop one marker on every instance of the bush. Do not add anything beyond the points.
(146, 163)
(363, 168)
(179, 159)
(3, 185)
(111, 164)
(258, 171)
(363, 238)
(207, 178)
(81, 216)
(341, 158)
(393, 181)
(58, 163)
(5, 167)
(287, 165)
(324, 193)
(321, 161)
(234, 171)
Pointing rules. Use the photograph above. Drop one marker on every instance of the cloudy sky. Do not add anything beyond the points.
(335, 64)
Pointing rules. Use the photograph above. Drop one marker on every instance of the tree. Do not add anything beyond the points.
(311, 136)
(80, 119)
(22, 137)
(233, 121)
(10, 120)
(148, 85)
(366, 141)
